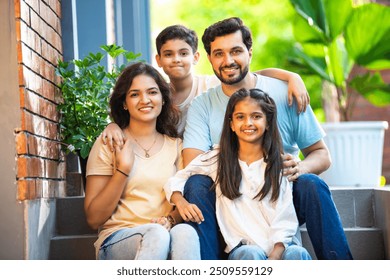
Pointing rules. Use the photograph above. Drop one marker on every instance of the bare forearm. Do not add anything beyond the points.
(277, 252)
(316, 162)
(101, 207)
(189, 154)
(317, 159)
(296, 87)
(278, 73)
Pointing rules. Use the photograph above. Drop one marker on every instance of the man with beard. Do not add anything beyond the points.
(228, 44)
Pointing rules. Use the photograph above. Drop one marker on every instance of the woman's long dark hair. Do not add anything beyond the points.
(229, 172)
(168, 119)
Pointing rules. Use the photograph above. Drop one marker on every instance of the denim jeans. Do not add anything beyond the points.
(197, 190)
(151, 242)
(314, 206)
(253, 252)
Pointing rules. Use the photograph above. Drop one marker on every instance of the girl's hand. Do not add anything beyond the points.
(277, 252)
(125, 157)
(113, 136)
(189, 212)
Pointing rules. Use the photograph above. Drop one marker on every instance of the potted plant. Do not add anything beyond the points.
(335, 37)
(86, 85)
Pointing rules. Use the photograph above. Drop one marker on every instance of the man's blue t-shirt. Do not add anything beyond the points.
(207, 111)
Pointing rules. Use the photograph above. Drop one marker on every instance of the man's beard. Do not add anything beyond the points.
(232, 81)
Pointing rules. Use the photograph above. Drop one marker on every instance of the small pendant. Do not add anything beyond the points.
(147, 155)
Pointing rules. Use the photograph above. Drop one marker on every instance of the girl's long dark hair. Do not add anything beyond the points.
(229, 172)
(168, 119)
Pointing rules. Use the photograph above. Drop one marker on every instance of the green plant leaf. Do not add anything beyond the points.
(317, 65)
(337, 14)
(84, 151)
(85, 96)
(325, 18)
(373, 88)
(131, 56)
(113, 50)
(306, 33)
(312, 11)
(367, 36)
(348, 35)
(339, 64)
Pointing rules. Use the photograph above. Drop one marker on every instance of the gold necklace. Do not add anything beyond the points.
(147, 155)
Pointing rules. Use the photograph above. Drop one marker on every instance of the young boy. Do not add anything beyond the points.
(177, 54)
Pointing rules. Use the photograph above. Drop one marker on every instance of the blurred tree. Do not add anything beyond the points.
(269, 21)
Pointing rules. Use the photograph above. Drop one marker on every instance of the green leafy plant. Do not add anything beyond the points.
(335, 38)
(86, 86)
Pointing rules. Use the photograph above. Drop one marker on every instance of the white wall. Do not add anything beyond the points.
(12, 239)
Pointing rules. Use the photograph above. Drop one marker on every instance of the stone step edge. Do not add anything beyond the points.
(75, 236)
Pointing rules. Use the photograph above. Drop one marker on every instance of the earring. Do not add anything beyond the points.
(124, 108)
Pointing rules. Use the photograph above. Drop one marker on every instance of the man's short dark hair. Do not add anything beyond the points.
(225, 27)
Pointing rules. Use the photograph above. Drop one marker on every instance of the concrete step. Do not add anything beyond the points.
(70, 217)
(356, 206)
(74, 179)
(365, 243)
(74, 238)
(73, 247)
(74, 184)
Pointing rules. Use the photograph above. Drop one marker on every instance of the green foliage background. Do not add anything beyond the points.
(270, 22)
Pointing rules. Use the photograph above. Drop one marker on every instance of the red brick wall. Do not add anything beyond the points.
(40, 162)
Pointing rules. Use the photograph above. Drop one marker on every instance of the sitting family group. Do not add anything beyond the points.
(207, 167)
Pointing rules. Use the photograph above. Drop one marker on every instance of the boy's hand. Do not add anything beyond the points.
(112, 136)
(297, 89)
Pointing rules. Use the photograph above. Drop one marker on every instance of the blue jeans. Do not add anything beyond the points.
(197, 190)
(314, 206)
(253, 252)
(151, 242)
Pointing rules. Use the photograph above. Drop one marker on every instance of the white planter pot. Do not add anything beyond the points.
(356, 149)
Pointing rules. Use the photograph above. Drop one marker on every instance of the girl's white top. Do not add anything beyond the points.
(246, 219)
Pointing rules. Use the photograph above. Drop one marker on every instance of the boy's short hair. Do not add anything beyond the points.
(180, 32)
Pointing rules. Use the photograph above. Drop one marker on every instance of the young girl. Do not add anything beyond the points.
(124, 196)
(254, 205)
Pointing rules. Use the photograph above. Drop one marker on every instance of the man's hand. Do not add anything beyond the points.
(291, 168)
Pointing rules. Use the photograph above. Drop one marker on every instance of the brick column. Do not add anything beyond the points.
(40, 161)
